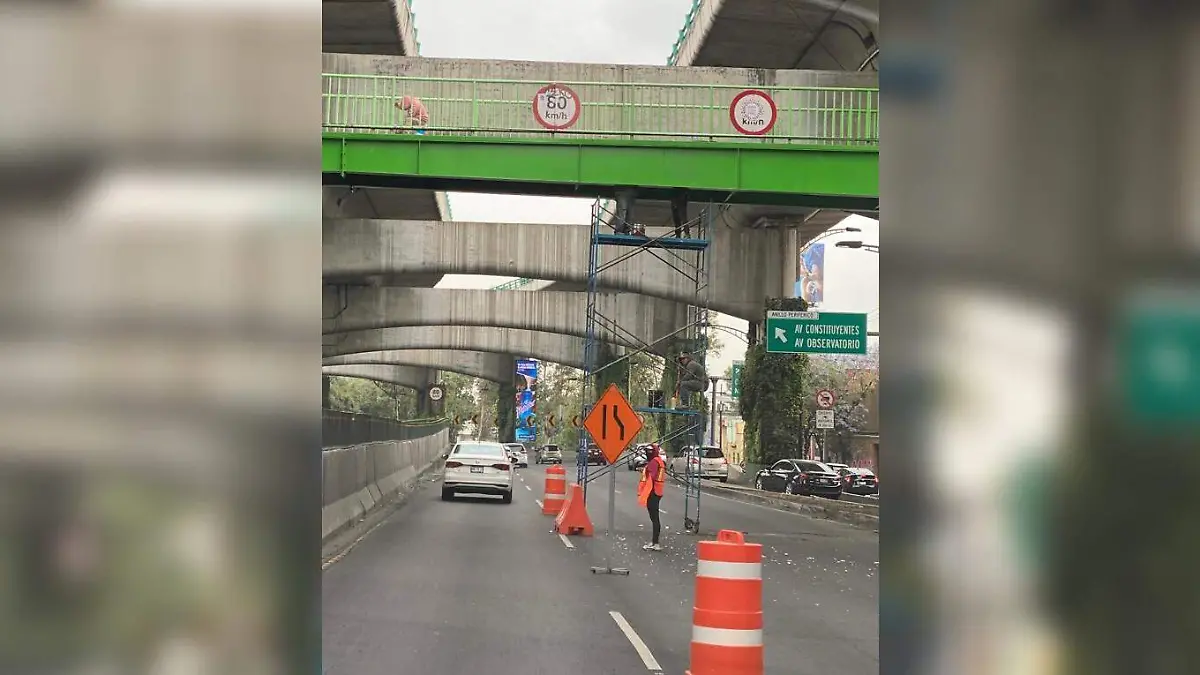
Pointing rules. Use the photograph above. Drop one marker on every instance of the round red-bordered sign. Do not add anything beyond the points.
(556, 107)
(826, 399)
(753, 112)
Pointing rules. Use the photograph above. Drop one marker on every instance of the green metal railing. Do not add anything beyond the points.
(512, 285)
(688, 21)
(617, 110)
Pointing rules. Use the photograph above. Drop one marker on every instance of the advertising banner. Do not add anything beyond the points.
(526, 383)
(810, 281)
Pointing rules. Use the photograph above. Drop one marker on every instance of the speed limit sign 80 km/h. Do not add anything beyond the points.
(556, 107)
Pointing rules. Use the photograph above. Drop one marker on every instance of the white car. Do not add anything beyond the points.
(479, 468)
(706, 461)
(518, 454)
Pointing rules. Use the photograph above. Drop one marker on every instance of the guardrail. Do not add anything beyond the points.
(841, 116)
(341, 429)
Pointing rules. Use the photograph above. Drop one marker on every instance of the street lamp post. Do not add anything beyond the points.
(712, 416)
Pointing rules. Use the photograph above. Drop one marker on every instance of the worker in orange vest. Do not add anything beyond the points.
(650, 491)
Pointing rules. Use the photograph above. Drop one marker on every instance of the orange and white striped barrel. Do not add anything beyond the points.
(556, 490)
(727, 620)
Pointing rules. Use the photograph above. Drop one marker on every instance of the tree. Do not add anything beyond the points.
(851, 385)
(772, 401)
(356, 395)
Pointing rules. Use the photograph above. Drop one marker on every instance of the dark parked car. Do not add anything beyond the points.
(800, 477)
(595, 456)
(859, 481)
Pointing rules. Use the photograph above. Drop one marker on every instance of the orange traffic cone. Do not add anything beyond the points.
(573, 518)
(727, 620)
(556, 490)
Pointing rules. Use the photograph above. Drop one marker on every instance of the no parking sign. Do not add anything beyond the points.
(753, 112)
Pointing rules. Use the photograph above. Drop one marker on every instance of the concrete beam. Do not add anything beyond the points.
(368, 27)
(485, 365)
(405, 376)
(743, 264)
(564, 349)
(639, 318)
(779, 34)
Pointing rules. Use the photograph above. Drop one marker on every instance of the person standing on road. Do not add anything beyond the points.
(654, 477)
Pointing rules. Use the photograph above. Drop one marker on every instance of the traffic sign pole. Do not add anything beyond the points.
(613, 424)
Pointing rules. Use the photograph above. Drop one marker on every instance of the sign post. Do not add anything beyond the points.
(816, 332)
(612, 424)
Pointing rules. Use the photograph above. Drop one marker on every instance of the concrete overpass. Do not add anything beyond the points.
(485, 365)
(359, 308)
(564, 349)
(744, 264)
(405, 376)
(809, 34)
(369, 27)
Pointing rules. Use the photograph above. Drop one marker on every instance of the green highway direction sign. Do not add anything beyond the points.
(735, 386)
(816, 333)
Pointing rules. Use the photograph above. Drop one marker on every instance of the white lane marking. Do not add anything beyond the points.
(566, 542)
(662, 511)
(636, 640)
(539, 503)
(617, 491)
(529, 488)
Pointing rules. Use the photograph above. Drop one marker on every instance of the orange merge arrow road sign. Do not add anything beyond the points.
(612, 423)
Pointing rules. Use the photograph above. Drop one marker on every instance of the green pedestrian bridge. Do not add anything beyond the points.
(485, 135)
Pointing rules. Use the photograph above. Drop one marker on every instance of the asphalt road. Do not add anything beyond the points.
(478, 586)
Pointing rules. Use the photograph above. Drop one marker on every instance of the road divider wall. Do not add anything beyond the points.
(841, 510)
(356, 479)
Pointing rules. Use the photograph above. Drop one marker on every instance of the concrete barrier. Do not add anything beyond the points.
(852, 513)
(358, 478)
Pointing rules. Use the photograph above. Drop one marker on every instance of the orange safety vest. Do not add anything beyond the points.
(660, 477)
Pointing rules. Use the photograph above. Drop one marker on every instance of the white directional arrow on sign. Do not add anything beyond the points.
(781, 335)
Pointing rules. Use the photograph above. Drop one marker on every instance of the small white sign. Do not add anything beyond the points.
(753, 112)
(556, 107)
(436, 393)
(826, 399)
(824, 419)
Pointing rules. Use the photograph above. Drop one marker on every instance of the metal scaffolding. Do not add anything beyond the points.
(684, 249)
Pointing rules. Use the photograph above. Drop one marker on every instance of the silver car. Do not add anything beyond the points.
(705, 461)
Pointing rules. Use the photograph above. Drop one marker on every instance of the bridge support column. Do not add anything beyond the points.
(325, 391)
(506, 404)
(791, 260)
(424, 405)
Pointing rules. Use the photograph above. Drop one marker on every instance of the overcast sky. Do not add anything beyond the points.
(598, 31)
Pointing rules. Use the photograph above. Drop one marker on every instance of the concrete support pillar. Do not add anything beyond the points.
(325, 391)
(424, 405)
(791, 258)
(506, 404)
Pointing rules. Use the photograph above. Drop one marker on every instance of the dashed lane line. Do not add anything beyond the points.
(638, 644)
(539, 503)
(566, 542)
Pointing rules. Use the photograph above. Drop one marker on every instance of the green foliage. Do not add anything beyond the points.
(772, 400)
(850, 415)
(352, 394)
(461, 401)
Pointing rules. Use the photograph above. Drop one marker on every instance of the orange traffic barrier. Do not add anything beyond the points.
(727, 623)
(556, 490)
(573, 518)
